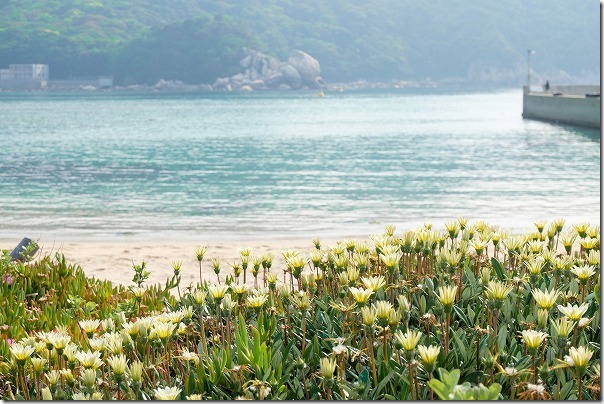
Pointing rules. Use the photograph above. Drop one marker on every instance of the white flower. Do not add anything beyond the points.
(511, 371)
(539, 388)
(339, 349)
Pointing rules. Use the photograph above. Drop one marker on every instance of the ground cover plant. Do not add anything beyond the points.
(467, 312)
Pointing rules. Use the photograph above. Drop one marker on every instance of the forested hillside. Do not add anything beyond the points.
(196, 41)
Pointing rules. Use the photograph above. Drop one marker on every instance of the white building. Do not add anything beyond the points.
(24, 76)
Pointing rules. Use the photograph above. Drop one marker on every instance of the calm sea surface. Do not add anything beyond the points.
(268, 165)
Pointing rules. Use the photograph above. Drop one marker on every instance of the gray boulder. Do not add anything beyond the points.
(291, 76)
(307, 66)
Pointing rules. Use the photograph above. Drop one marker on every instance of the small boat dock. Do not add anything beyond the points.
(574, 105)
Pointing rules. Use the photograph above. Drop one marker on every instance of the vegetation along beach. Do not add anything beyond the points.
(300, 200)
(466, 312)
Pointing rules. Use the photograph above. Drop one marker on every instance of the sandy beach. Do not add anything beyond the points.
(113, 260)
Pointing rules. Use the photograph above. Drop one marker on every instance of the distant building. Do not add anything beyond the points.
(24, 77)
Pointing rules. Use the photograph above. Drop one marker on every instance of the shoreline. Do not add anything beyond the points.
(113, 260)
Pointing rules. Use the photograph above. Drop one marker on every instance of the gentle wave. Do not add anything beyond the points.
(274, 164)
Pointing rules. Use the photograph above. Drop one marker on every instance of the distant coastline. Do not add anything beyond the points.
(177, 86)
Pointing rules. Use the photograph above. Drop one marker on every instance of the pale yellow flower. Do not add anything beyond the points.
(580, 358)
(373, 283)
(256, 302)
(428, 355)
(199, 296)
(452, 227)
(451, 258)
(497, 290)
(327, 366)
(38, 364)
(563, 327)
(164, 330)
(316, 257)
(540, 225)
(167, 393)
(53, 376)
(535, 246)
(301, 301)
(108, 325)
(132, 328)
(392, 259)
(353, 275)
(68, 376)
(239, 289)
(90, 326)
(136, 371)
(368, 314)
(118, 364)
(46, 394)
(284, 292)
(409, 340)
(200, 251)
(97, 344)
(271, 277)
(542, 317)
(90, 360)
(88, 377)
(463, 222)
(309, 281)
(59, 341)
(446, 295)
(361, 296)
(594, 232)
(382, 310)
(187, 312)
(545, 300)
(341, 262)
(138, 292)
(343, 278)
(175, 316)
(533, 339)
(21, 352)
(479, 245)
(593, 258)
(297, 262)
(583, 272)
(558, 224)
(573, 312)
(589, 243)
(113, 345)
(567, 240)
(581, 229)
(217, 291)
(535, 265)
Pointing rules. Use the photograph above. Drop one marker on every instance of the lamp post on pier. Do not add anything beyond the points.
(530, 52)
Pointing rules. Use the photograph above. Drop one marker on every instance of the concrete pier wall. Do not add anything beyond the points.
(571, 107)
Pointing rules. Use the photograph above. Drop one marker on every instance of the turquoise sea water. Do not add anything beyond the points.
(269, 165)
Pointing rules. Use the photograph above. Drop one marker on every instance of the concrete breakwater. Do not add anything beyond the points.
(575, 105)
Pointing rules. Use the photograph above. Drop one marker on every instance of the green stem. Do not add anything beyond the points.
(411, 384)
(447, 333)
(372, 358)
(303, 334)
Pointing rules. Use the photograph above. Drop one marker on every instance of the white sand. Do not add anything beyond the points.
(112, 260)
